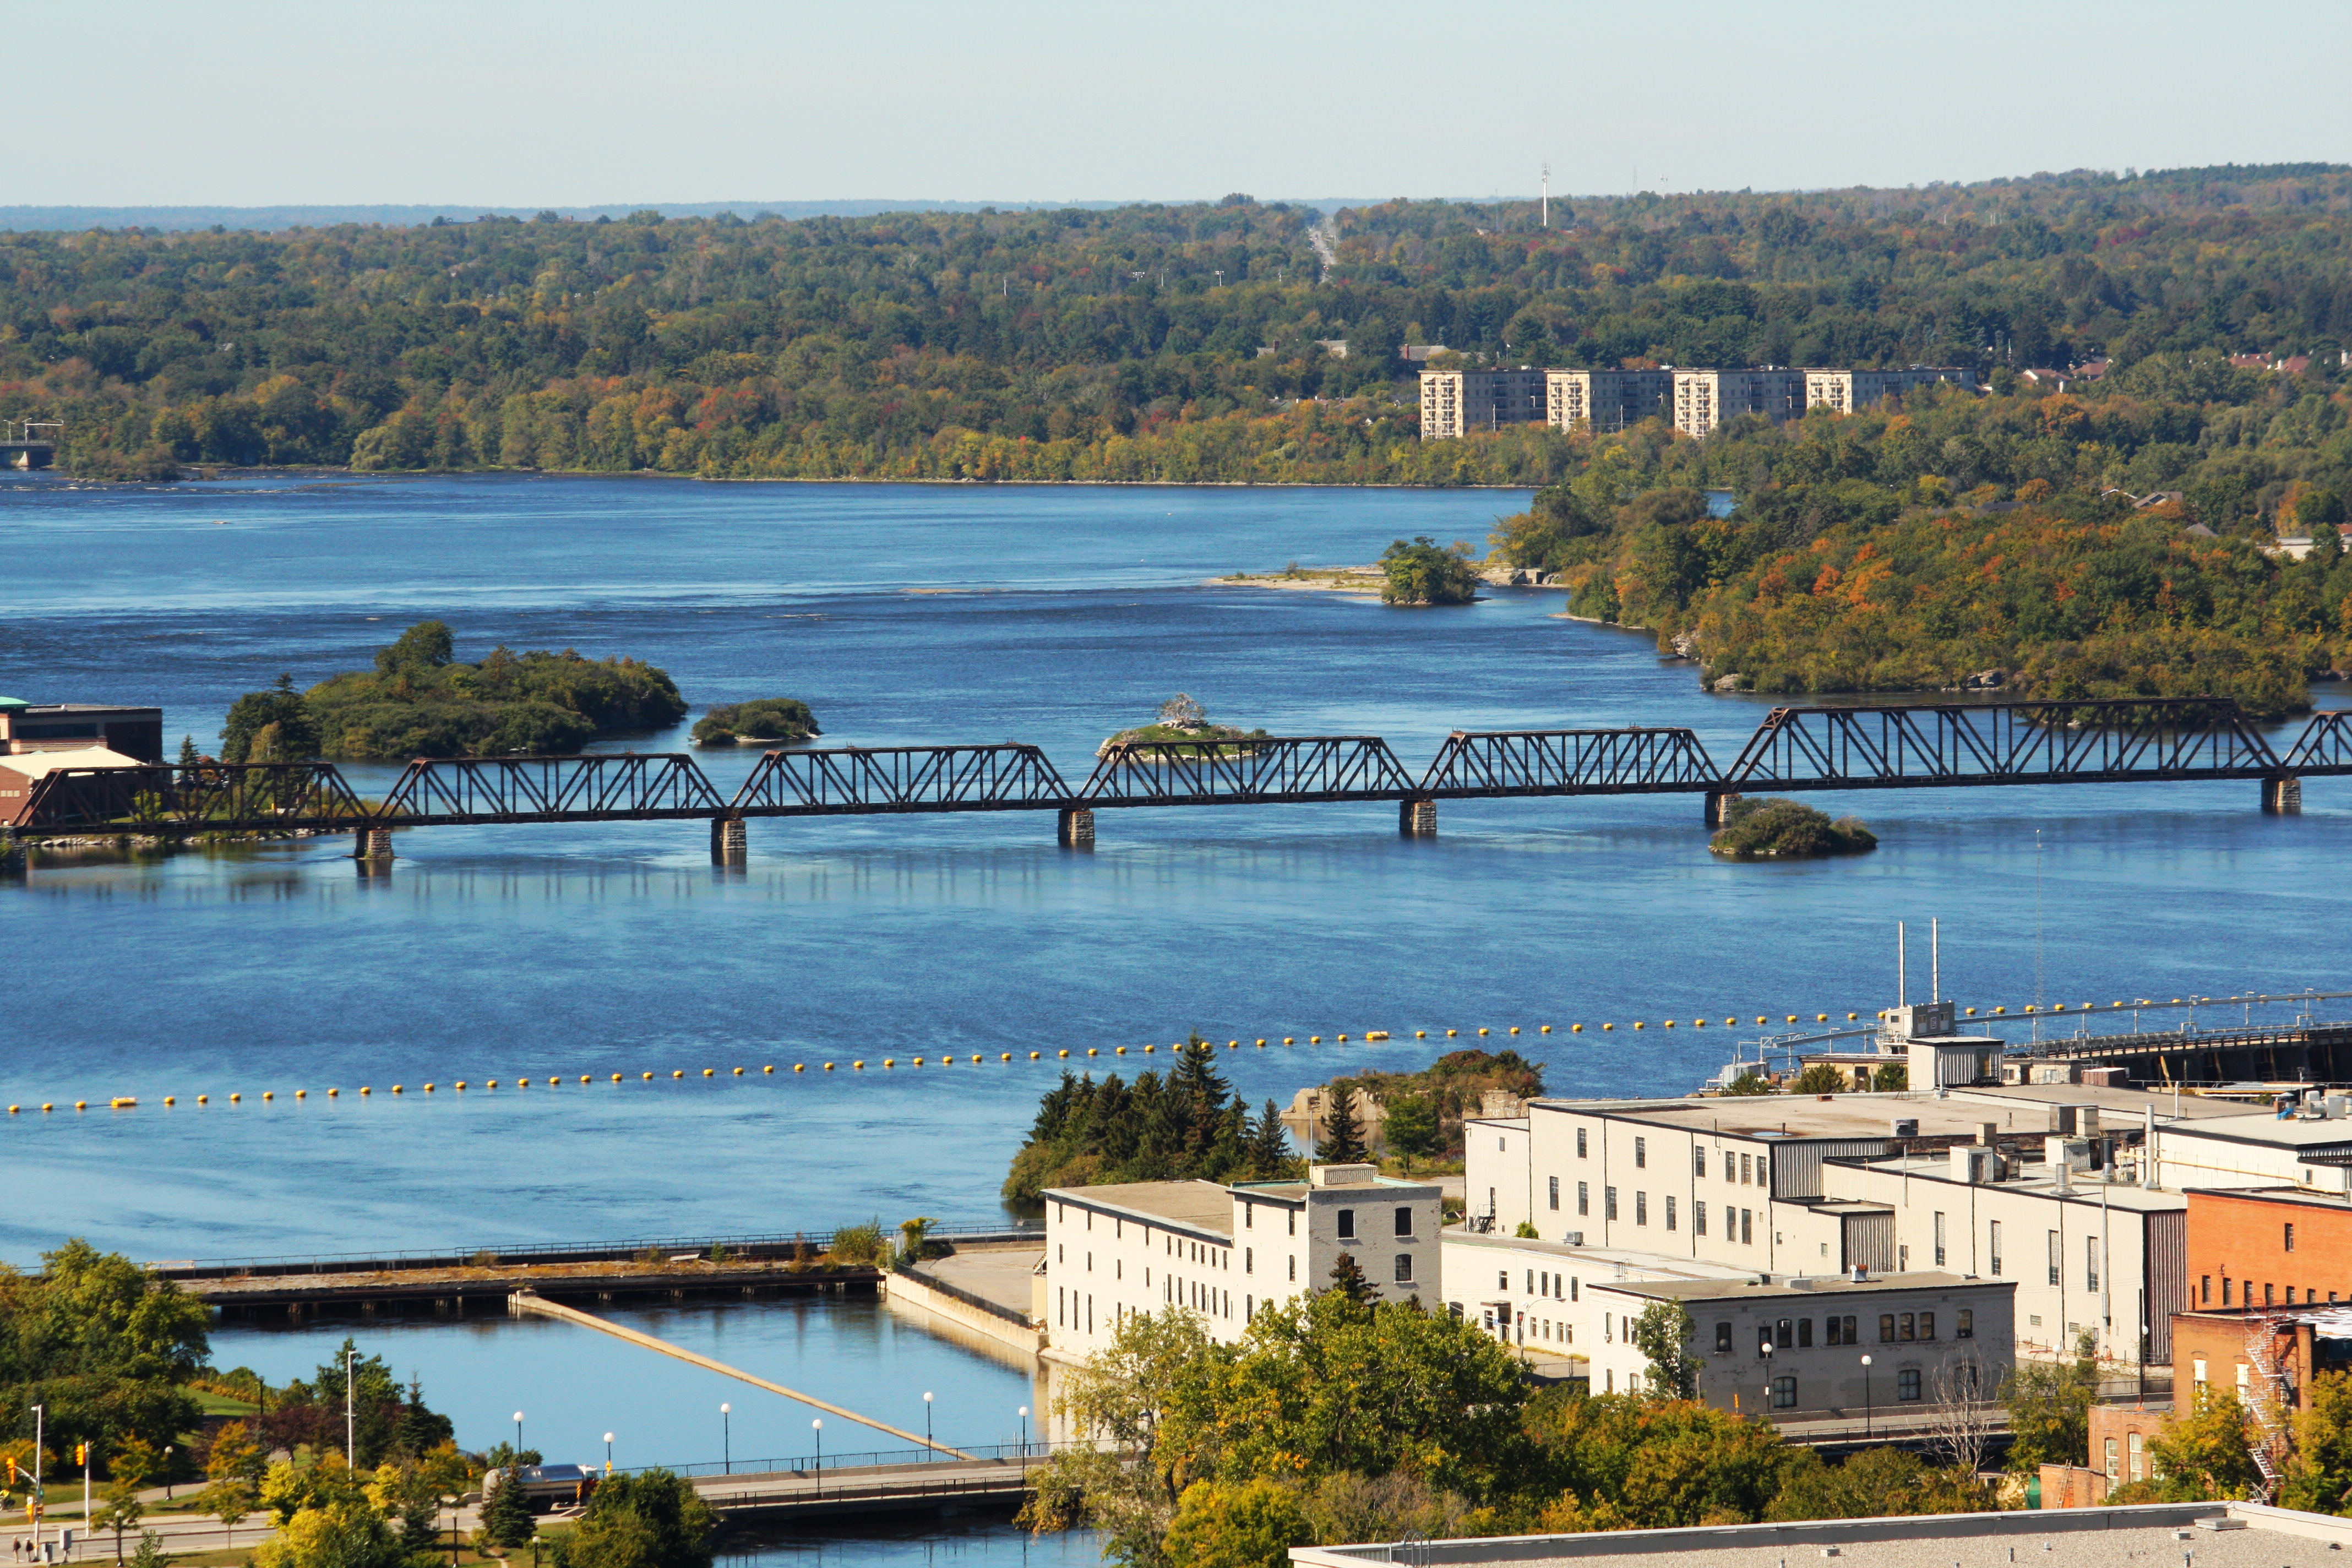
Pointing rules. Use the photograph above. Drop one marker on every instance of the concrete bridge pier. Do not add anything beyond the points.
(729, 844)
(2282, 795)
(1073, 827)
(1417, 818)
(371, 844)
(1718, 807)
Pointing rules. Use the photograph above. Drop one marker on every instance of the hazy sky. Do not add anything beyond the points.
(518, 102)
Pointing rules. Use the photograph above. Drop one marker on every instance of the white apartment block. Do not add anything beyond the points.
(1531, 1294)
(2258, 1149)
(1228, 1253)
(1457, 402)
(1606, 399)
(1704, 399)
(1852, 391)
(1498, 1182)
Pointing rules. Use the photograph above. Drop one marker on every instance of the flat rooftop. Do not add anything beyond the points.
(2021, 1109)
(1787, 1288)
(1597, 1258)
(2081, 1186)
(1294, 1191)
(2242, 1126)
(2053, 1537)
(1202, 1206)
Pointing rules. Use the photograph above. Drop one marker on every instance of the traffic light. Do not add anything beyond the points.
(12, 1471)
(81, 1454)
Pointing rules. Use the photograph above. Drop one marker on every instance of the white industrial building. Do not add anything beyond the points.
(1226, 1252)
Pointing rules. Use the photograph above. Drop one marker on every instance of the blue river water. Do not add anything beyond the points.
(929, 614)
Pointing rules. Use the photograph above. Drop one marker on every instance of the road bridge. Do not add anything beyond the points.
(1795, 750)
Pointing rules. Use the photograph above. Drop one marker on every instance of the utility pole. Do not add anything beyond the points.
(1547, 194)
(40, 1417)
(350, 1421)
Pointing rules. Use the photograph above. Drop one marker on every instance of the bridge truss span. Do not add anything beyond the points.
(1257, 771)
(618, 787)
(163, 799)
(1945, 745)
(1506, 763)
(846, 780)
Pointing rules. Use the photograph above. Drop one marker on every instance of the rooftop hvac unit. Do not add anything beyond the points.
(1907, 1126)
(1976, 1163)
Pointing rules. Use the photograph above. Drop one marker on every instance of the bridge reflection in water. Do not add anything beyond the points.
(1795, 750)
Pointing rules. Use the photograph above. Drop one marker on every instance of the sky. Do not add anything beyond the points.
(519, 102)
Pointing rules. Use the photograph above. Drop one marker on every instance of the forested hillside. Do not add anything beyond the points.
(1133, 343)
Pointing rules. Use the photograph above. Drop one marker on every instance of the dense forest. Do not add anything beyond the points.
(1148, 341)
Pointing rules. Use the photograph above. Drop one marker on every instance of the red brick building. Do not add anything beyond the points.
(2267, 1247)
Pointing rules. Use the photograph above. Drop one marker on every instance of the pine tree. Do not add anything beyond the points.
(1343, 1130)
(506, 1518)
(190, 761)
(1268, 1156)
(1349, 1280)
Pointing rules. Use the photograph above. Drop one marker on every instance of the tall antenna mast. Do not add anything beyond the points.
(1547, 194)
(1900, 998)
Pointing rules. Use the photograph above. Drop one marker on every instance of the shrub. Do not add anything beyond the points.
(785, 719)
(1789, 828)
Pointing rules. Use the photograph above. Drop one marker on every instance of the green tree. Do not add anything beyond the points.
(190, 760)
(1343, 1129)
(506, 1518)
(122, 1510)
(1751, 1083)
(324, 1519)
(1893, 1078)
(1348, 1280)
(1269, 1157)
(1424, 573)
(1874, 1483)
(1247, 1524)
(2319, 1473)
(2049, 1407)
(1664, 1333)
(1411, 1127)
(231, 1500)
(150, 1553)
(1819, 1078)
(2205, 1454)
(655, 1520)
(281, 708)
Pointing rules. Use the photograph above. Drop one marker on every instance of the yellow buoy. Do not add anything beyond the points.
(889, 1061)
(1482, 1031)
(428, 1089)
(770, 1068)
(587, 1078)
(1092, 1052)
(1515, 1028)
(168, 1099)
(1450, 1033)
(1820, 1017)
(1006, 1057)
(2001, 1009)
(46, 1105)
(918, 1062)
(1287, 1040)
(124, 1101)
(1670, 1022)
(1421, 1034)
(1066, 1053)
(488, 1083)
(828, 1066)
(616, 1077)
(301, 1094)
(739, 1072)
(859, 1065)
(1728, 1022)
(365, 1090)
(1698, 1023)
(1147, 1050)
(1972, 1012)
(706, 1072)
(802, 1066)
(14, 1109)
(522, 1083)
(1640, 1025)
(1034, 1055)
(1792, 1017)
(678, 1072)
(976, 1056)
(81, 1105)
(1314, 1040)
(1232, 1044)
(1576, 1029)
(1547, 1029)
(459, 1084)
(203, 1099)
(648, 1077)
(1121, 1050)
(1850, 1018)
(266, 1094)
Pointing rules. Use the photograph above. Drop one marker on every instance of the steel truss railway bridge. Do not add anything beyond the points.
(1794, 751)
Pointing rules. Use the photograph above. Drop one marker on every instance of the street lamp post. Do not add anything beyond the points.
(1024, 1431)
(451, 1504)
(817, 1425)
(727, 1438)
(1765, 1350)
(167, 1472)
(928, 1450)
(608, 1453)
(1865, 1399)
(40, 1416)
(518, 1439)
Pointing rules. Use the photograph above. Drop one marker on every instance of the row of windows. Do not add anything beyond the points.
(1347, 1218)
(1747, 1170)
(2244, 1290)
(1894, 1328)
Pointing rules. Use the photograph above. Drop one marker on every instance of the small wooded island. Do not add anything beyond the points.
(418, 702)
(1182, 718)
(765, 721)
(1788, 829)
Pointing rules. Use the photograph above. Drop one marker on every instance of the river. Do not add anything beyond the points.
(919, 615)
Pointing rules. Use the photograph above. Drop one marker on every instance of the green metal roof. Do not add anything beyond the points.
(13, 704)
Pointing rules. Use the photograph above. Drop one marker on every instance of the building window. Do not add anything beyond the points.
(1609, 1202)
(1723, 1339)
(2225, 1289)
(2205, 1288)
(1580, 1143)
(1641, 1208)
(1939, 1240)
(1249, 1259)
(1907, 1327)
(2090, 1260)
(1249, 1216)
(1841, 1331)
(2115, 1467)
(1746, 1227)
(1804, 1333)
(2053, 1257)
(1642, 1155)
(1784, 1393)
(1906, 1383)
(1926, 1325)
(1294, 1267)
(1502, 1279)
(1531, 1282)
(1404, 1221)
(2139, 1459)
(1698, 1161)
(1670, 1210)
(1743, 1163)
(1555, 1191)
(1993, 1231)
(1699, 1217)
(2266, 1293)
(1886, 1328)
(1404, 1267)
(1346, 1225)
(1583, 1198)
(2290, 1238)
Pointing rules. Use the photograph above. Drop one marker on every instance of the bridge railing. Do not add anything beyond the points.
(1568, 761)
(764, 1245)
(863, 779)
(1034, 1451)
(1245, 771)
(2007, 742)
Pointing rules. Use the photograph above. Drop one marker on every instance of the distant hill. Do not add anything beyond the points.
(36, 219)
